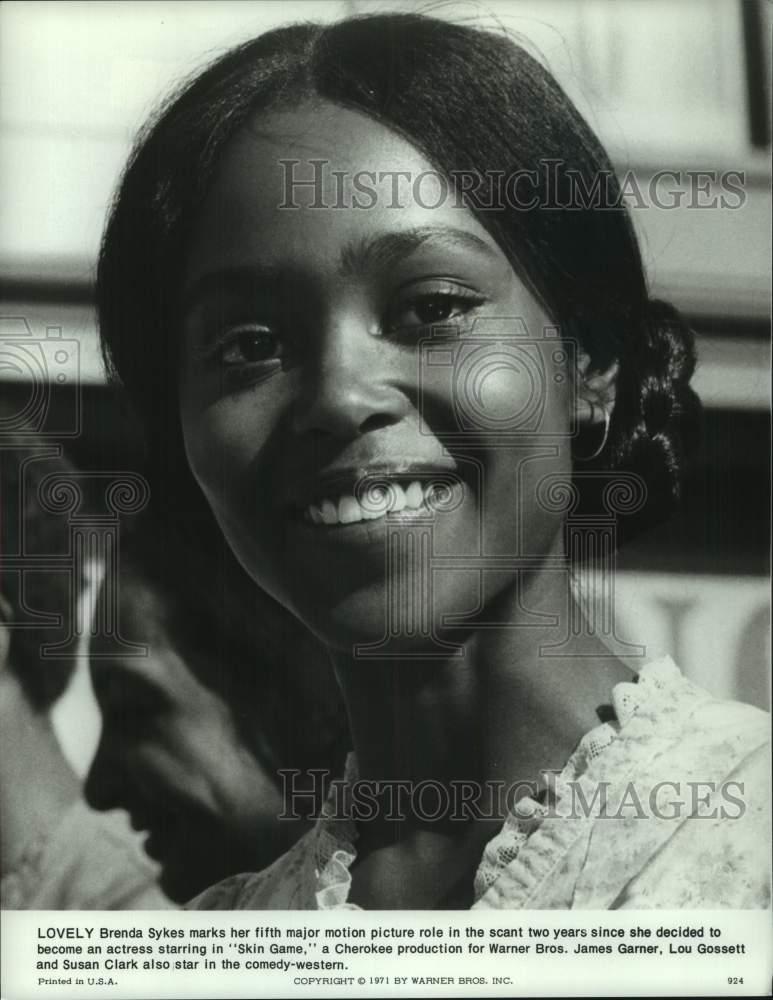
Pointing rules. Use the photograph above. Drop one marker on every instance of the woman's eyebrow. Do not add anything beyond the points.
(384, 249)
(239, 279)
(358, 257)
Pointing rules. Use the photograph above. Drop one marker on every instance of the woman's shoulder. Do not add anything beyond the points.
(719, 856)
(684, 819)
(686, 722)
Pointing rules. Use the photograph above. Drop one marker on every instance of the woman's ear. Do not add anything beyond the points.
(595, 392)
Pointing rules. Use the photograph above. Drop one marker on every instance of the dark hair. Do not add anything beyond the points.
(37, 585)
(470, 100)
(239, 642)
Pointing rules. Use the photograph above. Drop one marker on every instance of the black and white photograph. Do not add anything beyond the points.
(385, 497)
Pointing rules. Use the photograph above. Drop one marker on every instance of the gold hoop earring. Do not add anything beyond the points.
(602, 446)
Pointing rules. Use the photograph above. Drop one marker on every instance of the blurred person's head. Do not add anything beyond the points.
(185, 747)
(39, 592)
(39, 589)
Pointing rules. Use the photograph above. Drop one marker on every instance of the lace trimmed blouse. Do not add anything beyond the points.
(666, 806)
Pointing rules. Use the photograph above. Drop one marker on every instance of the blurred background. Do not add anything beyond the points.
(683, 86)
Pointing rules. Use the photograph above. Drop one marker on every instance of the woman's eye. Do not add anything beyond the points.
(249, 346)
(436, 307)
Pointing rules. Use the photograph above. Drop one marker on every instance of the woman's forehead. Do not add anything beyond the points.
(347, 141)
(316, 180)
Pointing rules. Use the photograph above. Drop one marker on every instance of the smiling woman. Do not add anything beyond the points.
(317, 341)
(395, 398)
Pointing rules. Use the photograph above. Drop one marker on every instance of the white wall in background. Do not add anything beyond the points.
(76, 81)
(717, 628)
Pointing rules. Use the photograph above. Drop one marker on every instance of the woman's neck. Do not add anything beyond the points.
(503, 712)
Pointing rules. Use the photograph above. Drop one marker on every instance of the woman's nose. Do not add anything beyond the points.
(350, 384)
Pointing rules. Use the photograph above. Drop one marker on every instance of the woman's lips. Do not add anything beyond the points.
(362, 517)
(306, 487)
(375, 502)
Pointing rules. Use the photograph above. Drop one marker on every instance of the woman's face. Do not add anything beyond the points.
(347, 347)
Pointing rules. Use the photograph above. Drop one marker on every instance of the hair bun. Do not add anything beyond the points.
(656, 426)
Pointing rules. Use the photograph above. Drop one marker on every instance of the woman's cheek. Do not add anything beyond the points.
(218, 445)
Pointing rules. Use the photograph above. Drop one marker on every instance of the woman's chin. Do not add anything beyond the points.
(344, 626)
(360, 628)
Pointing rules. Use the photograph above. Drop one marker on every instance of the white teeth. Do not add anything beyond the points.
(349, 510)
(398, 499)
(329, 512)
(414, 496)
(376, 504)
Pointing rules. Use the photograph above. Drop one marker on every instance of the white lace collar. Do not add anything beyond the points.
(334, 843)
